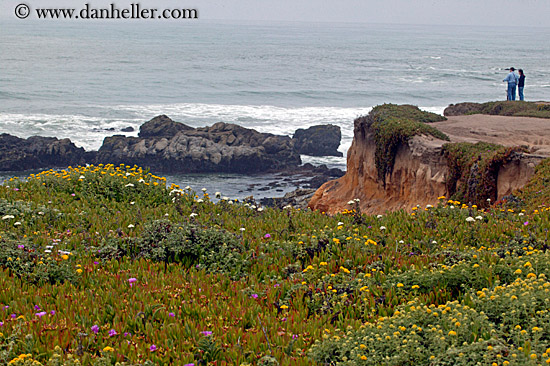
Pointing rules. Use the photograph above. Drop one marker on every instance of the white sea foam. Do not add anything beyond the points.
(89, 131)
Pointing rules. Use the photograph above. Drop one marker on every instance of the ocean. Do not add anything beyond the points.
(79, 79)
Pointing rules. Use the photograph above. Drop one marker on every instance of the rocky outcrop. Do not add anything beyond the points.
(161, 126)
(221, 147)
(321, 140)
(39, 152)
(171, 147)
(418, 175)
(298, 198)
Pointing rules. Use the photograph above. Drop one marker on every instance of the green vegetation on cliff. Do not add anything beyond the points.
(473, 170)
(393, 126)
(536, 193)
(502, 108)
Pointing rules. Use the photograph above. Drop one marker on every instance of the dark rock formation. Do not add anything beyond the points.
(298, 198)
(319, 174)
(167, 146)
(39, 152)
(127, 129)
(171, 147)
(161, 126)
(322, 140)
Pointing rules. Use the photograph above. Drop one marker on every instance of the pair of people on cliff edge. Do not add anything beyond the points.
(514, 80)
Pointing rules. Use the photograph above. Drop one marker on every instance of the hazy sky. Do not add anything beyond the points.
(460, 12)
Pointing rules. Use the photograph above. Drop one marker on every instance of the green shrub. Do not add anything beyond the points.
(212, 249)
(30, 263)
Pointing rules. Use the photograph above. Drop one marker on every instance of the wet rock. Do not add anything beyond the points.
(39, 152)
(161, 126)
(298, 198)
(171, 147)
(321, 140)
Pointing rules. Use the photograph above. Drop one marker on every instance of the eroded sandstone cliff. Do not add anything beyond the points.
(419, 173)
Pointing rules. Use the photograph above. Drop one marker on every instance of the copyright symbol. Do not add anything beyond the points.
(22, 11)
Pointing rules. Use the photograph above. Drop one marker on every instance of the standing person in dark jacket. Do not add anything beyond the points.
(521, 83)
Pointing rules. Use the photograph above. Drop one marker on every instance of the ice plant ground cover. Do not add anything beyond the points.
(102, 265)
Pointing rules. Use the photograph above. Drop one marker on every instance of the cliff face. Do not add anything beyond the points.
(418, 175)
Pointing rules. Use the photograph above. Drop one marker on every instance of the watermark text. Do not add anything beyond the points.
(87, 12)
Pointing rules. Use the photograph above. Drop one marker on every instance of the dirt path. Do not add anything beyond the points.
(534, 133)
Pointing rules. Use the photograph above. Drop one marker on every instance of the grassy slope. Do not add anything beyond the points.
(308, 280)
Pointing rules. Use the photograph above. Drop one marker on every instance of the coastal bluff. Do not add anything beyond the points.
(421, 166)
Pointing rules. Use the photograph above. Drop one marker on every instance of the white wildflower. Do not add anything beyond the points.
(260, 209)
(132, 202)
(451, 207)
(479, 217)
(225, 198)
(287, 207)
(204, 189)
(47, 251)
(470, 219)
(242, 229)
(352, 202)
(520, 214)
(194, 214)
(218, 195)
(141, 180)
(17, 223)
(200, 200)
(82, 177)
(378, 216)
(434, 242)
(253, 207)
(401, 242)
(41, 213)
(129, 185)
(340, 223)
(166, 215)
(382, 228)
(187, 188)
(7, 217)
(131, 226)
(230, 202)
(429, 206)
(357, 200)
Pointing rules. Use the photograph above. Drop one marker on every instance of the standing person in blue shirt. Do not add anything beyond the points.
(512, 80)
(521, 84)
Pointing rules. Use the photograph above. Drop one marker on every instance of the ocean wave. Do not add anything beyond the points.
(88, 131)
(264, 118)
